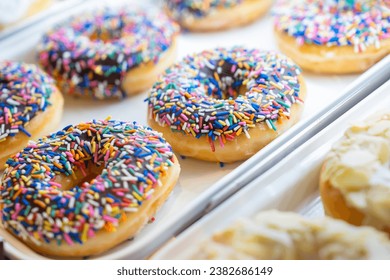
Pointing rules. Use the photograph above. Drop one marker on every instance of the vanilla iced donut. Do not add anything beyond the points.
(109, 53)
(86, 188)
(14, 11)
(355, 178)
(274, 235)
(225, 105)
(212, 15)
(30, 106)
(333, 36)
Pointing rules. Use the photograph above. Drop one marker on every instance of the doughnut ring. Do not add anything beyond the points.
(335, 37)
(109, 54)
(30, 106)
(86, 188)
(213, 15)
(224, 105)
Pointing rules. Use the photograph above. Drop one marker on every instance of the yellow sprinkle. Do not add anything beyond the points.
(26, 179)
(36, 235)
(93, 146)
(192, 132)
(80, 153)
(216, 76)
(153, 158)
(84, 233)
(136, 195)
(276, 85)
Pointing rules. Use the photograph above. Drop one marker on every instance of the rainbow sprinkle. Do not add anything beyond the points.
(182, 9)
(222, 93)
(24, 91)
(34, 205)
(335, 22)
(91, 55)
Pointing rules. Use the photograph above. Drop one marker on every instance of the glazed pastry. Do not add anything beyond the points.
(274, 235)
(355, 178)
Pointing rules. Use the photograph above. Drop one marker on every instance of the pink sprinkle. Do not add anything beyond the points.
(90, 208)
(68, 239)
(110, 219)
(18, 208)
(55, 184)
(70, 156)
(107, 156)
(221, 142)
(91, 233)
(152, 178)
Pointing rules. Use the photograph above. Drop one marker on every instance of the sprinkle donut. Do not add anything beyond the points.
(212, 15)
(86, 188)
(30, 106)
(225, 104)
(109, 54)
(333, 36)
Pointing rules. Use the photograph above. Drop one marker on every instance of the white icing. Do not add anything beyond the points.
(358, 166)
(13, 10)
(381, 178)
(282, 235)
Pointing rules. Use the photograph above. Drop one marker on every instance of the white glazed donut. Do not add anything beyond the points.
(355, 178)
(274, 235)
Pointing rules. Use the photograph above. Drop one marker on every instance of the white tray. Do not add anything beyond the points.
(292, 185)
(202, 185)
(57, 7)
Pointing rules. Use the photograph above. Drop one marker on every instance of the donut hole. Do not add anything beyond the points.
(223, 80)
(110, 29)
(106, 35)
(81, 176)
